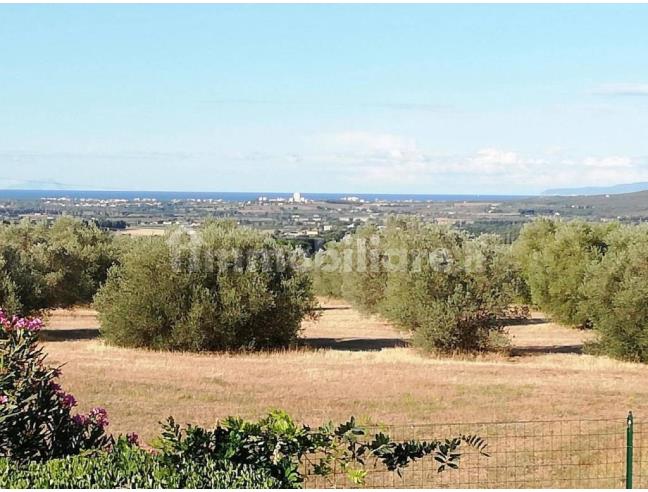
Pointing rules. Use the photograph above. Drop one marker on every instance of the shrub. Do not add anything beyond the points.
(450, 290)
(327, 278)
(226, 287)
(277, 445)
(127, 466)
(235, 454)
(458, 297)
(554, 258)
(616, 290)
(36, 420)
(52, 266)
(364, 273)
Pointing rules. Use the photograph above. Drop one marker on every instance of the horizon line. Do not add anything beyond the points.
(260, 193)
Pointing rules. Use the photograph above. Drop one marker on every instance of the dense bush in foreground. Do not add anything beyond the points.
(127, 466)
(452, 291)
(224, 287)
(235, 454)
(45, 266)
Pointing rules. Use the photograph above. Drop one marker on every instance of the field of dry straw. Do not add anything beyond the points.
(349, 365)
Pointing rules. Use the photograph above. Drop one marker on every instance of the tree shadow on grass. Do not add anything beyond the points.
(354, 344)
(546, 349)
(66, 335)
(523, 322)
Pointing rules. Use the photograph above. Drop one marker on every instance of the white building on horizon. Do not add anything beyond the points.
(297, 198)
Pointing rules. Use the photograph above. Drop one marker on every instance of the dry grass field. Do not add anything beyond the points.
(143, 231)
(349, 364)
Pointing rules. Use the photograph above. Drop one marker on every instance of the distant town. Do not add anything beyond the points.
(313, 222)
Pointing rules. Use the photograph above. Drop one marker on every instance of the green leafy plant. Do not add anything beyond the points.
(127, 466)
(277, 445)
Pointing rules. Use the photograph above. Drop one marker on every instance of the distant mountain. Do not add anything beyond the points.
(633, 206)
(598, 190)
(12, 184)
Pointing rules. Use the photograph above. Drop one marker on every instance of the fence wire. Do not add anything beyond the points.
(528, 454)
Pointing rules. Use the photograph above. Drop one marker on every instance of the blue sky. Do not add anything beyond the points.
(323, 98)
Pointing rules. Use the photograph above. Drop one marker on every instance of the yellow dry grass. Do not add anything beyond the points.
(359, 366)
(143, 231)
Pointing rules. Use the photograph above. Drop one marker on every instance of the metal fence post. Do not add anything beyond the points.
(629, 450)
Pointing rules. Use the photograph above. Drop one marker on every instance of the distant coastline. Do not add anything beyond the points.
(245, 196)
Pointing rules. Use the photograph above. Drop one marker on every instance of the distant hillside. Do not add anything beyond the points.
(598, 190)
(632, 206)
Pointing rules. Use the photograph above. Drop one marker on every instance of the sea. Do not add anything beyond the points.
(236, 196)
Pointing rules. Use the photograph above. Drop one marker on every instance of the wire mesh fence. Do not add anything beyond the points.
(529, 454)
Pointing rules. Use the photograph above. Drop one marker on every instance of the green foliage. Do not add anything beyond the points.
(591, 275)
(235, 454)
(327, 279)
(45, 266)
(277, 445)
(36, 420)
(127, 466)
(508, 231)
(225, 287)
(452, 291)
(554, 258)
(616, 290)
(364, 273)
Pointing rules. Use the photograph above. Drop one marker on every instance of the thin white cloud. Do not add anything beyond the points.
(384, 159)
(634, 89)
(609, 162)
(371, 160)
(425, 107)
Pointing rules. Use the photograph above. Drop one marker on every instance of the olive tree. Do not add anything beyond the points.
(223, 287)
(52, 265)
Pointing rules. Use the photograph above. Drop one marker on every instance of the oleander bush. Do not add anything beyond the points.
(37, 422)
(223, 287)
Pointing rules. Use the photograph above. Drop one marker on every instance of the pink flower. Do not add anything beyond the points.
(15, 322)
(69, 401)
(80, 419)
(133, 438)
(99, 416)
(34, 324)
(3, 399)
